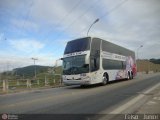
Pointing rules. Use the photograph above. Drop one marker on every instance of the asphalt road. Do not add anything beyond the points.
(77, 100)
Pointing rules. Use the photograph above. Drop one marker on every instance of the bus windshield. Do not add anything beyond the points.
(75, 65)
(77, 45)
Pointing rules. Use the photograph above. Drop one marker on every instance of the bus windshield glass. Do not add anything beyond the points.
(75, 65)
(77, 45)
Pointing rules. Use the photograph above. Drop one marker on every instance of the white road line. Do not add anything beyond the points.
(133, 101)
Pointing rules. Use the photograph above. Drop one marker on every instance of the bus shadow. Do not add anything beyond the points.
(96, 85)
(84, 86)
(118, 81)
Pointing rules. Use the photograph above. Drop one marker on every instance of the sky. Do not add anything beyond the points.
(41, 28)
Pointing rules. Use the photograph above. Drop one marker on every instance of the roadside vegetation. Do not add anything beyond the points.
(18, 78)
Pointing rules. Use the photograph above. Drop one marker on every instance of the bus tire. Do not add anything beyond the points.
(105, 79)
(128, 76)
(131, 75)
(82, 86)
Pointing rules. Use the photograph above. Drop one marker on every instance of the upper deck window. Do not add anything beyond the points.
(77, 45)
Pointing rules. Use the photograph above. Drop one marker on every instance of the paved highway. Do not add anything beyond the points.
(76, 100)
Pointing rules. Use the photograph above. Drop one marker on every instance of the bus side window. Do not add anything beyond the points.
(95, 63)
(95, 54)
(123, 65)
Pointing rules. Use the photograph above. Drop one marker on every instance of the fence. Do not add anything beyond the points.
(147, 66)
(23, 84)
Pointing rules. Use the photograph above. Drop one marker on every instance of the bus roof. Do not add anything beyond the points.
(103, 40)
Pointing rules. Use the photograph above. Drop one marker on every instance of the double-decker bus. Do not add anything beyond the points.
(91, 60)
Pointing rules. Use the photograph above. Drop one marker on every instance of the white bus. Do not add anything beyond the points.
(93, 60)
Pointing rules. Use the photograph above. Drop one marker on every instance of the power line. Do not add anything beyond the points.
(80, 16)
(67, 15)
(109, 12)
(35, 74)
(83, 14)
(92, 6)
(27, 16)
(118, 5)
(113, 9)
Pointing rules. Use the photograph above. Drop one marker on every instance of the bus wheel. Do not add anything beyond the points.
(83, 86)
(131, 75)
(128, 76)
(105, 79)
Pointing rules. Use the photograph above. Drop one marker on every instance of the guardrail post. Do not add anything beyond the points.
(54, 81)
(5, 85)
(38, 82)
(46, 81)
(28, 83)
(18, 82)
(61, 79)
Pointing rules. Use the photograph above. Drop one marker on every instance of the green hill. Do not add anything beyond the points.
(155, 61)
(29, 71)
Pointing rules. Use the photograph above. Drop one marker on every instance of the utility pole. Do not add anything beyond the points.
(138, 50)
(137, 55)
(34, 59)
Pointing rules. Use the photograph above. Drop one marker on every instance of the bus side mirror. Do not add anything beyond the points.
(85, 65)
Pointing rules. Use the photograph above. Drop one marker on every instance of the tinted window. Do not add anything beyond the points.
(112, 64)
(75, 65)
(110, 47)
(124, 64)
(95, 54)
(77, 45)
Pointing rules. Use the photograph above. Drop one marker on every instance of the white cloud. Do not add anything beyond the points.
(24, 25)
(26, 45)
(134, 23)
(12, 60)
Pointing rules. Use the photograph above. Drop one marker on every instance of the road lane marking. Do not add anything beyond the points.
(133, 101)
(151, 103)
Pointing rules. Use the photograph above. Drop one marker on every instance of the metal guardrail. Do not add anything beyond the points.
(6, 85)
